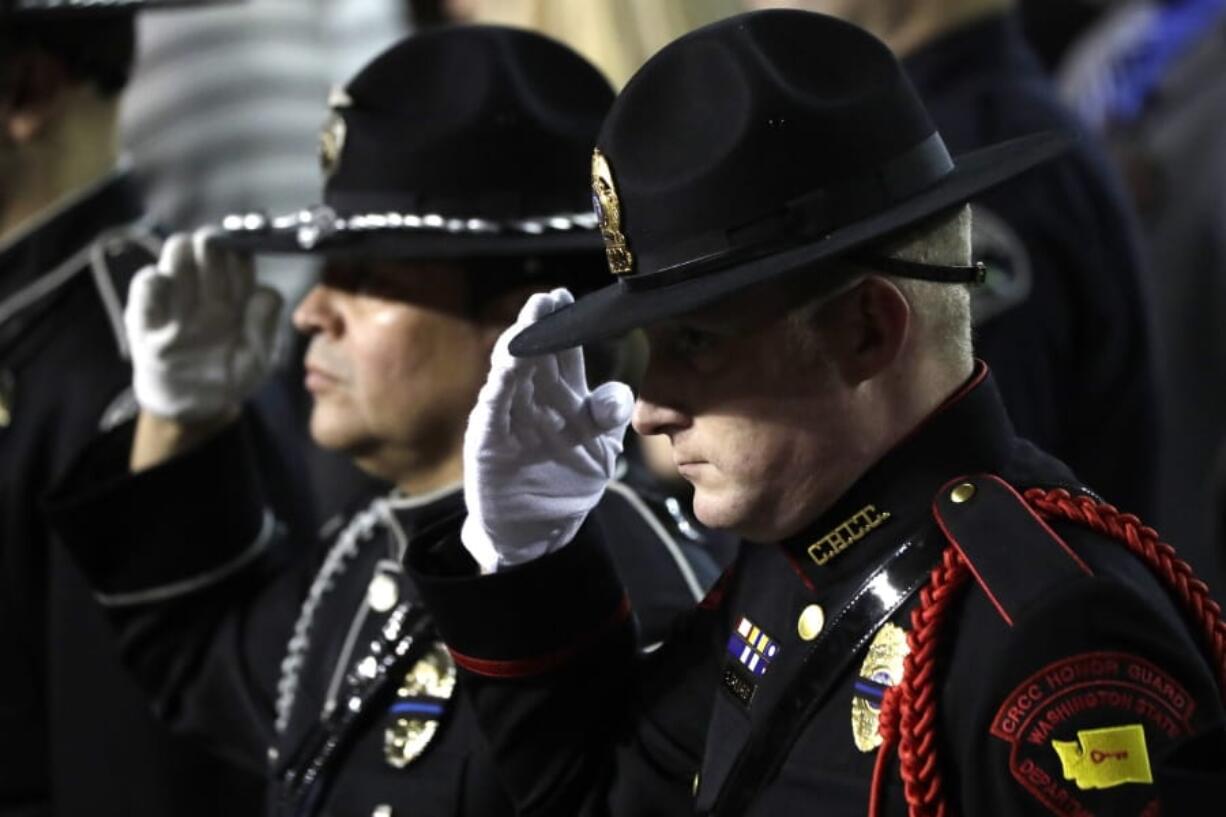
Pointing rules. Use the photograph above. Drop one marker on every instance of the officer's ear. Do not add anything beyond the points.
(32, 95)
(865, 329)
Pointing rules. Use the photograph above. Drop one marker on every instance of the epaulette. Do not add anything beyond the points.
(1015, 557)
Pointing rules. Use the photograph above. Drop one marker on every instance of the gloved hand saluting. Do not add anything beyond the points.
(539, 450)
(200, 328)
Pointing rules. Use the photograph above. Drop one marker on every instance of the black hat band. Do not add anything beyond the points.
(817, 213)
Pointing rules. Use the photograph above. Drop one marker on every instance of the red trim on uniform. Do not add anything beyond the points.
(936, 512)
(524, 667)
(1072, 554)
(978, 375)
(798, 568)
(936, 509)
(715, 596)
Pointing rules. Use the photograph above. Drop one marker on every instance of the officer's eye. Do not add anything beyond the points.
(690, 341)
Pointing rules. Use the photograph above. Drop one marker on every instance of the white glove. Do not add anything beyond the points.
(201, 330)
(539, 449)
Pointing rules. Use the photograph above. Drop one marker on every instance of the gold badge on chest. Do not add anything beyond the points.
(882, 669)
(421, 702)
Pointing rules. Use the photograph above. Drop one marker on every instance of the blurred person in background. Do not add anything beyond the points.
(456, 185)
(1062, 319)
(616, 35)
(1052, 26)
(220, 118)
(78, 738)
(1150, 79)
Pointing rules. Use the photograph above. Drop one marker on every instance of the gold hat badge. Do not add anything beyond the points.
(332, 137)
(609, 214)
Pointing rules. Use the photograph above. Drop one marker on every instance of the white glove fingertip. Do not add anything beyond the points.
(538, 304)
(611, 405)
(178, 264)
(147, 306)
(176, 255)
(212, 265)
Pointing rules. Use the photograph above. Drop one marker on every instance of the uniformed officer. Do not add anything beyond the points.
(1059, 246)
(932, 616)
(77, 732)
(456, 185)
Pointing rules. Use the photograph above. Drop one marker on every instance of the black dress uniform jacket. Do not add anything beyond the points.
(359, 714)
(1062, 319)
(76, 731)
(765, 700)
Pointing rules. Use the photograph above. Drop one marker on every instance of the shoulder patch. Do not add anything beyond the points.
(1082, 729)
(1015, 557)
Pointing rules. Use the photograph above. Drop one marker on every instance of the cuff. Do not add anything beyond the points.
(166, 532)
(525, 620)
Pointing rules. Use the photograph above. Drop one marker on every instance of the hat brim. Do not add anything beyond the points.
(400, 244)
(620, 307)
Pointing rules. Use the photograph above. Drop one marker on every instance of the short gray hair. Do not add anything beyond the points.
(942, 311)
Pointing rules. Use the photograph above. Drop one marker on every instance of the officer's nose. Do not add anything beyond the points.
(658, 409)
(317, 313)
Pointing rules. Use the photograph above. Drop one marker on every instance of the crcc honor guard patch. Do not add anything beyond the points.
(1081, 732)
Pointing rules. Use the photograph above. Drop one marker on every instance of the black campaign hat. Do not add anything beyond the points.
(463, 141)
(757, 147)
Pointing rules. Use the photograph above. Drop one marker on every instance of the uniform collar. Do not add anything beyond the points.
(991, 44)
(969, 433)
(64, 230)
(413, 513)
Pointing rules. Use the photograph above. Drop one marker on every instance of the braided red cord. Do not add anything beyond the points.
(909, 710)
(1160, 557)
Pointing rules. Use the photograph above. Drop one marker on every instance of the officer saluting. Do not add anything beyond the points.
(72, 234)
(932, 616)
(455, 167)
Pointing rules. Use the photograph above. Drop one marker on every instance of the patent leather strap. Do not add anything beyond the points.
(875, 601)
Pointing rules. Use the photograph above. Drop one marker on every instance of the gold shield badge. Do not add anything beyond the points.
(332, 137)
(419, 707)
(882, 669)
(609, 215)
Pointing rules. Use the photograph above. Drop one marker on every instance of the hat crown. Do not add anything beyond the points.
(728, 124)
(470, 121)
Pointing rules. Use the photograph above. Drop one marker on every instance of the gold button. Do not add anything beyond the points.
(812, 620)
(962, 493)
(696, 779)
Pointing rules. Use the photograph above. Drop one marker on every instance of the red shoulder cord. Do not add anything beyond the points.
(908, 718)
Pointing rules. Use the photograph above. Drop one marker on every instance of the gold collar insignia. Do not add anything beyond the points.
(861, 524)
